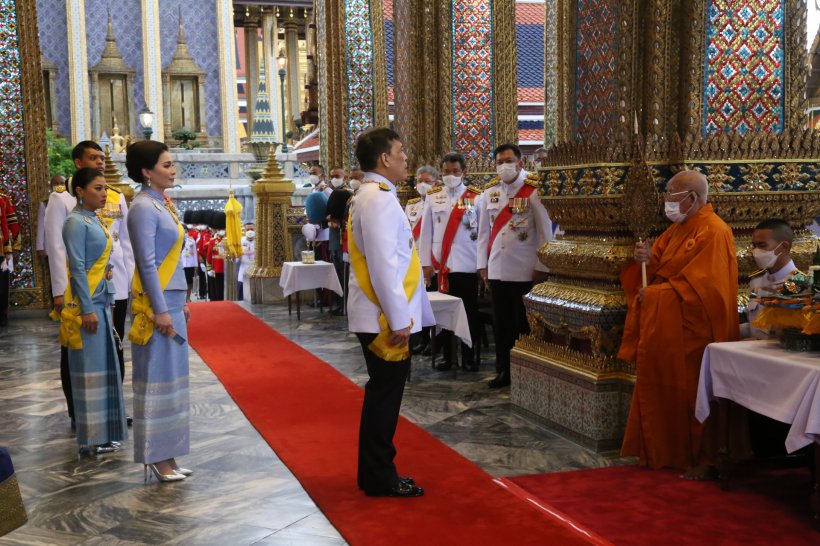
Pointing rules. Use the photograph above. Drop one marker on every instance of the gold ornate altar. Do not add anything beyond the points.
(602, 179)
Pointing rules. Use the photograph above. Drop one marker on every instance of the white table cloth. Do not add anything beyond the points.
(764, 378)
(450, 315)
(297, 276)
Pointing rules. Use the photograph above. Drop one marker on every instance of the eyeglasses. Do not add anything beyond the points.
(667, 195)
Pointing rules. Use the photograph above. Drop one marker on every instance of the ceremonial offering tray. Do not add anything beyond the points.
(308, 257)
(794, 313)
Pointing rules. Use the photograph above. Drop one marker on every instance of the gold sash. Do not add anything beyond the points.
(70, 321)
(381, 346)
(142, 324)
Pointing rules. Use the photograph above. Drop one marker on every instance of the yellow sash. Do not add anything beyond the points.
(70, 321)
(380, 345)
(142, 324)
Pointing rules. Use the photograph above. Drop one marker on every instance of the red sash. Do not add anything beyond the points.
(453, 223)
(417, 231)
(506, 213)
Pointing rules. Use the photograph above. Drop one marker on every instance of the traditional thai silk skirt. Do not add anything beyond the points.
(12, 511)
(160, 382)
(99, 405)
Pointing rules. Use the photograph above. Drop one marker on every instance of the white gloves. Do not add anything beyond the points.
(212, 273)
(8, 263)
(203, 268)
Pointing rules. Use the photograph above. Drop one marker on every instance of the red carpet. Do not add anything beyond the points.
(634, 506)
(309, 414)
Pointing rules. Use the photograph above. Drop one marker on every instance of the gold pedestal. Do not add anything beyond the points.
(273, 242)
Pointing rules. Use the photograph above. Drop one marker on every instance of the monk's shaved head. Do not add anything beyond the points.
(690, 181)
(781, 230)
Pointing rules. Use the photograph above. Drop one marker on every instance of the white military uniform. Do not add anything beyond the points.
(248, 257)
(414, 210)
(513, 256)
(115, 216)
(189, 255)
(764, 282)
(60, 204)
(437, 208)
(383, 235)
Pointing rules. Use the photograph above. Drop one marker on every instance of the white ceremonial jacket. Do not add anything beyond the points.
(60, 204)
(437, 208)
(764, 283)
(122, 255)
(383, 235)
(414, 210)
(513, 256)
(190, 258)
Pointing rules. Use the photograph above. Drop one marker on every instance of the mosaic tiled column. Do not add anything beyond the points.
(23, 155)
(152, 65)
(78, 71)
(352, 79)
(227, 76)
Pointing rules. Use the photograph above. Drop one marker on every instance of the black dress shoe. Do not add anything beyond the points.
(401, 489)
(444, 366)
(501, 380)
(473, 367)
(407, 479)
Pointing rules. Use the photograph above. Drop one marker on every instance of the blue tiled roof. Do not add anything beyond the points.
(534, 124)
(388, 43)
(530, 52)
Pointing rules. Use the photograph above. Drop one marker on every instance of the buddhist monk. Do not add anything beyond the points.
(690, 301)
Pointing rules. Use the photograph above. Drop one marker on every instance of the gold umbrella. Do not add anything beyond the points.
(233, 226)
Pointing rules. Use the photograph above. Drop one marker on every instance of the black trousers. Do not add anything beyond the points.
(211, 288)
(219, 287)
(464, 286)
(5, 291)
(380, 415)
(65, 380)
(509, 318)
(118, 315)
(203, 284)
(339, 266)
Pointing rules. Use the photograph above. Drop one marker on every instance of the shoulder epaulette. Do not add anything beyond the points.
(383, 186)
(59, 189)
(530, 182)
(413, 200)
(757, 273)
(435, 190)
(112, 188)
(477, 191)
(491, 183)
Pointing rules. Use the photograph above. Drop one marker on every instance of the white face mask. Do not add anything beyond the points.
(337, 182)
(314, 179)
(672, 210)
(354, 184)
(507, 171)
(765, 258)
(250, 234)
(423, 188)
(451, 181)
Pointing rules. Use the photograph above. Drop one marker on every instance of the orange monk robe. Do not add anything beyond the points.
(691, 301)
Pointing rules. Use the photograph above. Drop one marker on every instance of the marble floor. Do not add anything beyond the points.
(241, 493)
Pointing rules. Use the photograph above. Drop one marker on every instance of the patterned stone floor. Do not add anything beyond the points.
(241, 493)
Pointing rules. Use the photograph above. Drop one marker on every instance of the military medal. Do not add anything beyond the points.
(473, 235)
(523, 235)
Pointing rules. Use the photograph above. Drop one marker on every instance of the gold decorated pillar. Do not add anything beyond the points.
(227, 76)
(273, 242)
(78, 91)
(269, 53)
(152, 65)
(352, 77)
(292, 51)
(251, 69)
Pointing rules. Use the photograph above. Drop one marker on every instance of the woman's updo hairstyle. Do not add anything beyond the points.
(143, 155)
(82, 178)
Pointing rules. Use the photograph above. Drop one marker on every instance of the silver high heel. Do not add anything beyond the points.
(183, 471)
(174, 477)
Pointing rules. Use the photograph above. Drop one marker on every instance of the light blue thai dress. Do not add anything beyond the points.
(99, 405)
(160, 367)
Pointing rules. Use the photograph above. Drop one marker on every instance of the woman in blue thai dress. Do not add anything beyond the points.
(159, 333)
(86, 327)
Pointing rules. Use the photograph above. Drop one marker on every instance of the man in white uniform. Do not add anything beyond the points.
(512, 226)
(384, 306)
